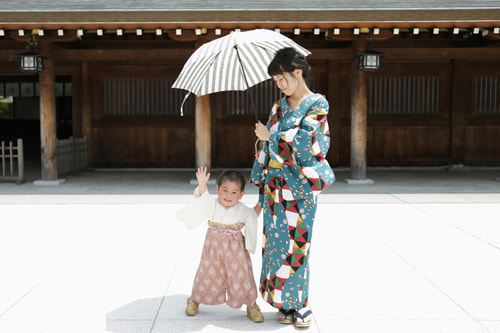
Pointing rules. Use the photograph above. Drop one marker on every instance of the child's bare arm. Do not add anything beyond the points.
(258, 208)
(202, 176)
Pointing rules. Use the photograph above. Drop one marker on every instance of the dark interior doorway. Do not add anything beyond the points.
(20, 111)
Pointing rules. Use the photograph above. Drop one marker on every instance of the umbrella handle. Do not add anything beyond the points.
(184, 101)
(256, 148)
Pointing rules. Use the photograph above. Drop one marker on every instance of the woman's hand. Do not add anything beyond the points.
(258, 208)
(262, 132)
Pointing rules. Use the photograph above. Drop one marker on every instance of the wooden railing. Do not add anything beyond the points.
(12, 158)
(71, 155)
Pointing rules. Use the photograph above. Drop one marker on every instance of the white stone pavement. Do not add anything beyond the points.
(381, 261)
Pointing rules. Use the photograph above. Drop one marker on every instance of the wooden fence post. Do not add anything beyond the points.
(3, 158)
(20, 161)
(10, 155)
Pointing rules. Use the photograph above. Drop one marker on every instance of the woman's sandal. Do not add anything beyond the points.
(303, 317)
(286, 316)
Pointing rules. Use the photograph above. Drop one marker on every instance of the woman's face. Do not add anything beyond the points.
(287, 82)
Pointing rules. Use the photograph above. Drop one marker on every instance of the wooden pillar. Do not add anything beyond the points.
(458, 113)
(86, 108)
(334, 120)
(203, 125)
(358, 119)
(48, 116)
(203, 133)
(76, 104)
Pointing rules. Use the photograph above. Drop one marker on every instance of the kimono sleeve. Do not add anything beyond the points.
(198, 211)
(258, 174)
(251, 230)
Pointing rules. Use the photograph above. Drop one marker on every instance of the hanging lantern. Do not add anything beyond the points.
(30, 61)
(370, 60)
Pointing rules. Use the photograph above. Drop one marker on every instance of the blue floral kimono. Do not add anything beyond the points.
(291, 170)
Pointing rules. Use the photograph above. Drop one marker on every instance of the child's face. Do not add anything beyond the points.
(229, 193)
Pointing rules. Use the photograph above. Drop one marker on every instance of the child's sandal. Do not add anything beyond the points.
(192, 307)
(255, 314)
(286, 316)
(303, 317)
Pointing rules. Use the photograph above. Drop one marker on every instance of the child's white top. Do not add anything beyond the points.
(205, 208)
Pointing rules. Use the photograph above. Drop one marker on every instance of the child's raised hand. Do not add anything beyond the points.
(202, 176)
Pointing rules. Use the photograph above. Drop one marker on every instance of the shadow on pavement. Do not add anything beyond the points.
(167, 314)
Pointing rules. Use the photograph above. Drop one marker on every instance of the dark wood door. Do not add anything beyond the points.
(481, 119)
(136, 118)
(408, 115)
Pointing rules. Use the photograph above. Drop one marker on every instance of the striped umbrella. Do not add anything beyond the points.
(237, 61)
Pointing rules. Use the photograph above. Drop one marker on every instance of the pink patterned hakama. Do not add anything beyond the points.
(225, 272)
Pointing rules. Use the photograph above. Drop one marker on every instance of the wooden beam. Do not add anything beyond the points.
(184, 35)
(486, 53)
(181, 55)
(348, 34)
(123, 54)
(490, 53)
(177, 54)
(49, 35)
(330, 54)
(196, 34)
(329, 17)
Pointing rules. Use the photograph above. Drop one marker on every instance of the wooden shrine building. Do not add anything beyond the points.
(109, 66)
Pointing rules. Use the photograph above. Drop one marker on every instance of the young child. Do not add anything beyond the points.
(225, 266)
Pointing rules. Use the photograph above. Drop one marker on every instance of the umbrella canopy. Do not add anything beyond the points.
(237, 61)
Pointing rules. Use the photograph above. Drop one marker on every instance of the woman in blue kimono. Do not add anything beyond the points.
(291, 170)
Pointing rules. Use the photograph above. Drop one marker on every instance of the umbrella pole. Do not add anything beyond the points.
(246, 81)
(253, 106)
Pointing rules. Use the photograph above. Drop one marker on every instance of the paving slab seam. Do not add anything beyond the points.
(168, 285)
(476, 320)
(46, 277)
(456, 227)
